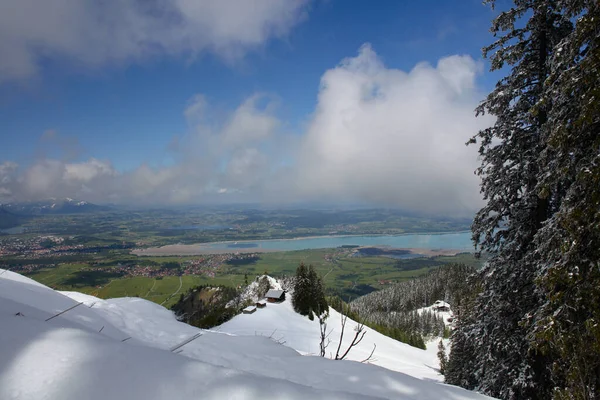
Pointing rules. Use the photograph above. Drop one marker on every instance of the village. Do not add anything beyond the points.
(49, 251)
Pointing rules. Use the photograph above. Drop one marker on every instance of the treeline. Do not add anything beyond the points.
(393, 310)
(401, 334)
(533, 331)
(445, 283)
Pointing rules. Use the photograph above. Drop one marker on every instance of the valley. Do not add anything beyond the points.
(122, 252)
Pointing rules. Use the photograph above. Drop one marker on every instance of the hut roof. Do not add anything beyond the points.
(274, 294)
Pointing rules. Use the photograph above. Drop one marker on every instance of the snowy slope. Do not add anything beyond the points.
(80, 355)
(302, 334)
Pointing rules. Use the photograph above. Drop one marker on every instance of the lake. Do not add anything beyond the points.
(427, 243)
(200, 227)
(453, 241)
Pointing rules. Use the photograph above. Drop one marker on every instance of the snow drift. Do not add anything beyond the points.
(120, 349)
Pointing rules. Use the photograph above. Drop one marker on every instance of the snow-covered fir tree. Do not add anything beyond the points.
(300, 295)
(442, 357)
(505, 365)
(460, 367)
(318, 302)
(567, 327)
(308, 296)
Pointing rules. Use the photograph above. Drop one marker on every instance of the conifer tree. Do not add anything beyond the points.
(309, 296)
(567, 327)
(505, 364)
(300, 298)
(460, 368)
(317, 292)
(442, 357)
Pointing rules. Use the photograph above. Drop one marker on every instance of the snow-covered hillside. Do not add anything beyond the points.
(302, 334)
(119, 349)
(251, 292)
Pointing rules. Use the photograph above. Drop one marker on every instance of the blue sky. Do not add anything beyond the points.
(126, 109)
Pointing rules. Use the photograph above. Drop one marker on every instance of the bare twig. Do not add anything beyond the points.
(325, 341)
(272, 337)
(370, 355)
(337, 353)
(358, 337)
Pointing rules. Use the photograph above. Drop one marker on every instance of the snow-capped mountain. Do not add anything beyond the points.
(53, 206)
(73, 346)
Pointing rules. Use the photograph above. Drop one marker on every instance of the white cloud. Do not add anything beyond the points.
(251, 124)
(378, 135)
(93, 34)
(8, 173)
(386, 136)
(7, 170)
(84, 172)
(216, 157)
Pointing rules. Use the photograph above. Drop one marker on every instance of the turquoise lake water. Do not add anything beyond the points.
(451, 241)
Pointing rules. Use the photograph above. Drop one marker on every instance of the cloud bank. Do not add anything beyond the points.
(392, 137)
(378, 136)
(93, 34)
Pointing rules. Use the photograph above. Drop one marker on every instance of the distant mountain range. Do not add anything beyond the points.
(51, 206)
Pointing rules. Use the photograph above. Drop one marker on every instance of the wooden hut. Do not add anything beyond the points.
(441, 306)
(261, 304)
(249, 310)
(275, 296)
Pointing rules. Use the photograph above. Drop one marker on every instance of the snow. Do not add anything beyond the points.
(447, 316)
(251, 291)
(302, 334)
(81, 354)
(7, 274)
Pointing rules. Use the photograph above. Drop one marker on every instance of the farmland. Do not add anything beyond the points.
(93, 253)
(343, 274)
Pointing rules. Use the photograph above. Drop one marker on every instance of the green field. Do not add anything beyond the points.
(91, 253)
(343, 274)
(72, 277)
